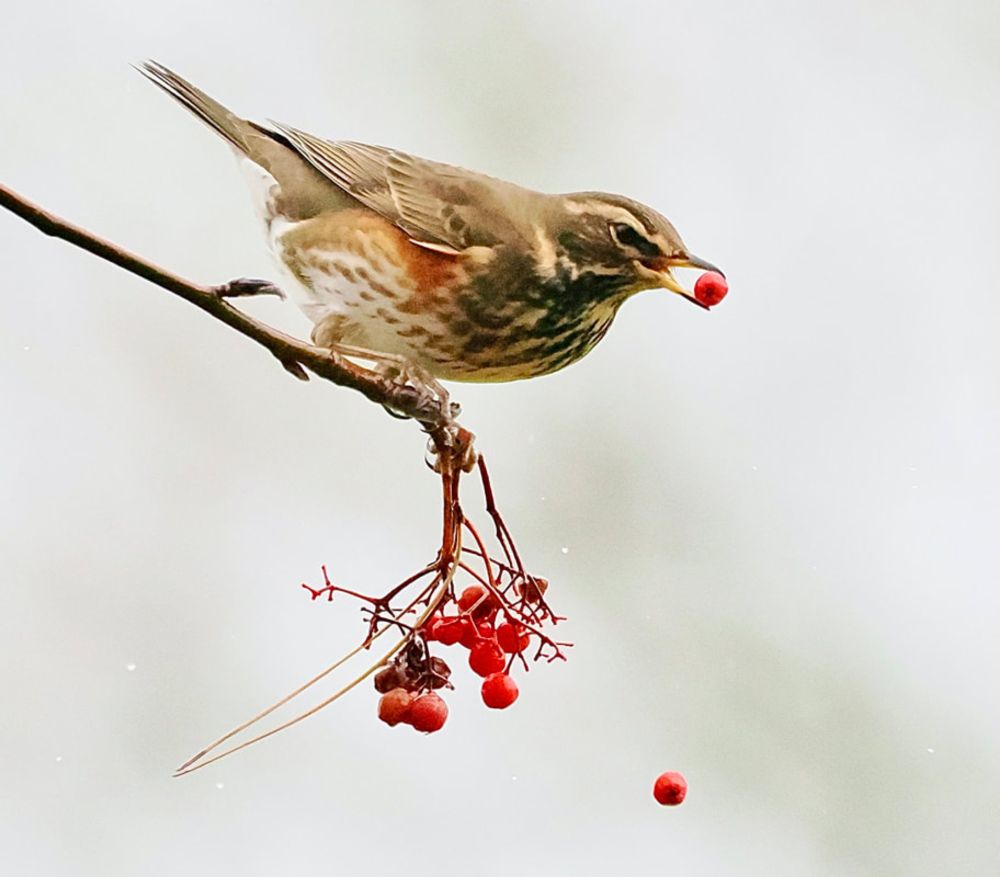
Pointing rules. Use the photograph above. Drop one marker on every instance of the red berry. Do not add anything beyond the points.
(431, 626)
(710, 288)
(486, 658)
(512, 638)
(477, 601)
(449, 631)
(394, 706)
(670, 788)
(499, 691)
(470, 597)
(470, 632)
(428, 713)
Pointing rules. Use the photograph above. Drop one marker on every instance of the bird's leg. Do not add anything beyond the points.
(336, 332)
(246, 286)
(403, 373)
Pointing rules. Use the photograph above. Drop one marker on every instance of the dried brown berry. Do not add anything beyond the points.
(439, 673)
(533, 589)
(388, 678)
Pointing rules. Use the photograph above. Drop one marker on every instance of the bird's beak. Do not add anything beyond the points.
(660, 273)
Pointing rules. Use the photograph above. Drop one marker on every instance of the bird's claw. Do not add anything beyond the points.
(247, 286)
(429, 392)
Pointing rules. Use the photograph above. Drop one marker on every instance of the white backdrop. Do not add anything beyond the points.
(780, 517)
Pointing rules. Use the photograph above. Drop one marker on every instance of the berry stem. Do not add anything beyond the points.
(196, 762)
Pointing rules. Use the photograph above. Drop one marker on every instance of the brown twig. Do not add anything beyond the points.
(295, 355)
(515, 594)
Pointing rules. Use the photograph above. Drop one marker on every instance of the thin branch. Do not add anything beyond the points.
(294, 355)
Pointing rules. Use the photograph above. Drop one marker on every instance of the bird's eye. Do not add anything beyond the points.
(627, 236)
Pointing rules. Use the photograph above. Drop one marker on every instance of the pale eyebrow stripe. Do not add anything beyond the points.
(611, 211)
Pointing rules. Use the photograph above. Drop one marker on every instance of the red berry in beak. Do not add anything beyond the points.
(710, 288)
(670, 788)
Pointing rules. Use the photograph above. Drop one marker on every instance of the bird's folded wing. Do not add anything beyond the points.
(433, 203)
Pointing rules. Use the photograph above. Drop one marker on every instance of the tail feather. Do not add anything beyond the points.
(301, 189)
(222, 121)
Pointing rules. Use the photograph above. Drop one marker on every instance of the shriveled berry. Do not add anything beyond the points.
(533, 589)
(449, 631)
(486, 658)
(512, 638)
(710, 288)
(394, 706)
(389, 678)
(499, 691)
(428, 713)
(670, 788)
(439, 673)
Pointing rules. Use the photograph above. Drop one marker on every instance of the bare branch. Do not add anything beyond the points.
(295, 355)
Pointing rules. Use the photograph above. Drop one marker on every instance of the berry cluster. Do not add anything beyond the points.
(500, 616)
(495, 636)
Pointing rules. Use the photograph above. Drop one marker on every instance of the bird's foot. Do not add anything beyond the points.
(412, 378)
(455, 442)
(246, 286)
(407, 379)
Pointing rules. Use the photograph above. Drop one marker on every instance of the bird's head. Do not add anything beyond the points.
(619, 239)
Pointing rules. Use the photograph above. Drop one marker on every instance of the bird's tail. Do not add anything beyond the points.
(211, 112)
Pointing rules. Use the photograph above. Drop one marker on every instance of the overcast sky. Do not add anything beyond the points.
(773, 527)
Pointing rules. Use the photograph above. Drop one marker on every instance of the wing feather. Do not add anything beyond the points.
(437, 204)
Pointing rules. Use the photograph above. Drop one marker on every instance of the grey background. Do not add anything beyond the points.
(781, 517)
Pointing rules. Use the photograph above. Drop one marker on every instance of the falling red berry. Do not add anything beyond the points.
(428, 713)
(710, 288)
(394, 706)
(670, 788)
(499, 691)
(486, 658)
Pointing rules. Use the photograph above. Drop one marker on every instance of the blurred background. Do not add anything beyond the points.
(773, 527)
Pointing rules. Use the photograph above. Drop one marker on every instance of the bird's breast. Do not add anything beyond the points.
(362, 281)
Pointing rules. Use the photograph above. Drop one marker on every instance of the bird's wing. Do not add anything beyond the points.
(437, 204)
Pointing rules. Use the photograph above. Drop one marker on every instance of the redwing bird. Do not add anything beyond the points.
(467, 277)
